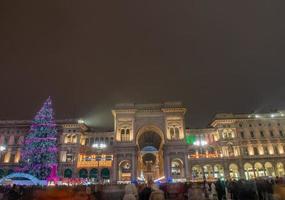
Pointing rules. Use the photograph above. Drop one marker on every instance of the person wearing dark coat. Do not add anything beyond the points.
(220, 188)
(145, 193)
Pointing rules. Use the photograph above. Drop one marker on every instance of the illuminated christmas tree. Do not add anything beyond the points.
(39, 154)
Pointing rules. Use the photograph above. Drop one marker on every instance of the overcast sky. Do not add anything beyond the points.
(213, 55)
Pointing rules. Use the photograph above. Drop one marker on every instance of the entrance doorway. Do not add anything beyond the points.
(150, 157)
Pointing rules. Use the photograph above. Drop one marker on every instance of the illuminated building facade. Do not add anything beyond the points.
(239, 146)
(150, 141)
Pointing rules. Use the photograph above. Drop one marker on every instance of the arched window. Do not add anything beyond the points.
(93, 173)
(280, 169)
(177, 168)
(122, 134)
(67, 173)
(234, 173)
(197, 172)
(176, 133)
(218, 171)
(83, 173)
(125, 170)
(127, 134)
(74, 139)
(249, 172)
(269, 170)
(105, 173)
(208, 171)
(172, 133)
(259, 171)
(67, 138)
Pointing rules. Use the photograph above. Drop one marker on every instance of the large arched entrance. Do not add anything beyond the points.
(150, 158)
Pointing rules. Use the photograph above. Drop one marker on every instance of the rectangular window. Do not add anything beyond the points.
(281, 134)
(271, 134)
(242, 135)
(251, 134)
(245, 151)
(261, 134)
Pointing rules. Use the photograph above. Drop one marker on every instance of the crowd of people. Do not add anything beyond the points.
(258, 189)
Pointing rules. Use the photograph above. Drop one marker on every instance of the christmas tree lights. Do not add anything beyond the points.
(39, 154)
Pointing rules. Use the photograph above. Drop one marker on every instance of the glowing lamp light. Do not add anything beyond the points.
(272, 115)
(81, 121)
(257, 116)
(200, 143)
(99, 146)
(2, 148)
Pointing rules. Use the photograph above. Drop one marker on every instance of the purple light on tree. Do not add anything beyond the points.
(39, 154)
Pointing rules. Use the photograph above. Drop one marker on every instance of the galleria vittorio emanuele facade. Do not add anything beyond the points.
(150, 141)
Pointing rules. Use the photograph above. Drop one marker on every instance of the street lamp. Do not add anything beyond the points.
(99, 147)
(2, 148)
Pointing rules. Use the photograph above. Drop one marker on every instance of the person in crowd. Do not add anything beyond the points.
(247, 190)
(129, 193)
(13, 194)
(156, 193)
(88, 192)
(269, 189)
(220, 188)
(145, 193)
(213, 193)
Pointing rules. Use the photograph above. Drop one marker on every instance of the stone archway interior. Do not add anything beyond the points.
(151, 159)
(149, 138)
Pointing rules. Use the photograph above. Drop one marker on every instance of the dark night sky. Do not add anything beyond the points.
(213, 55)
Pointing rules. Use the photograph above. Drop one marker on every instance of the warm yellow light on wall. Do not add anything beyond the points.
(7, 157)
(270, 149)
(250, 151)
(261, 150)
(281, 150)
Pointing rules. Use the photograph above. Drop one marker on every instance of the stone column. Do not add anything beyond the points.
(114, 169)
(134, 168)
(241, 170)
(186, 167)
(166, 165)
(226, 171)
